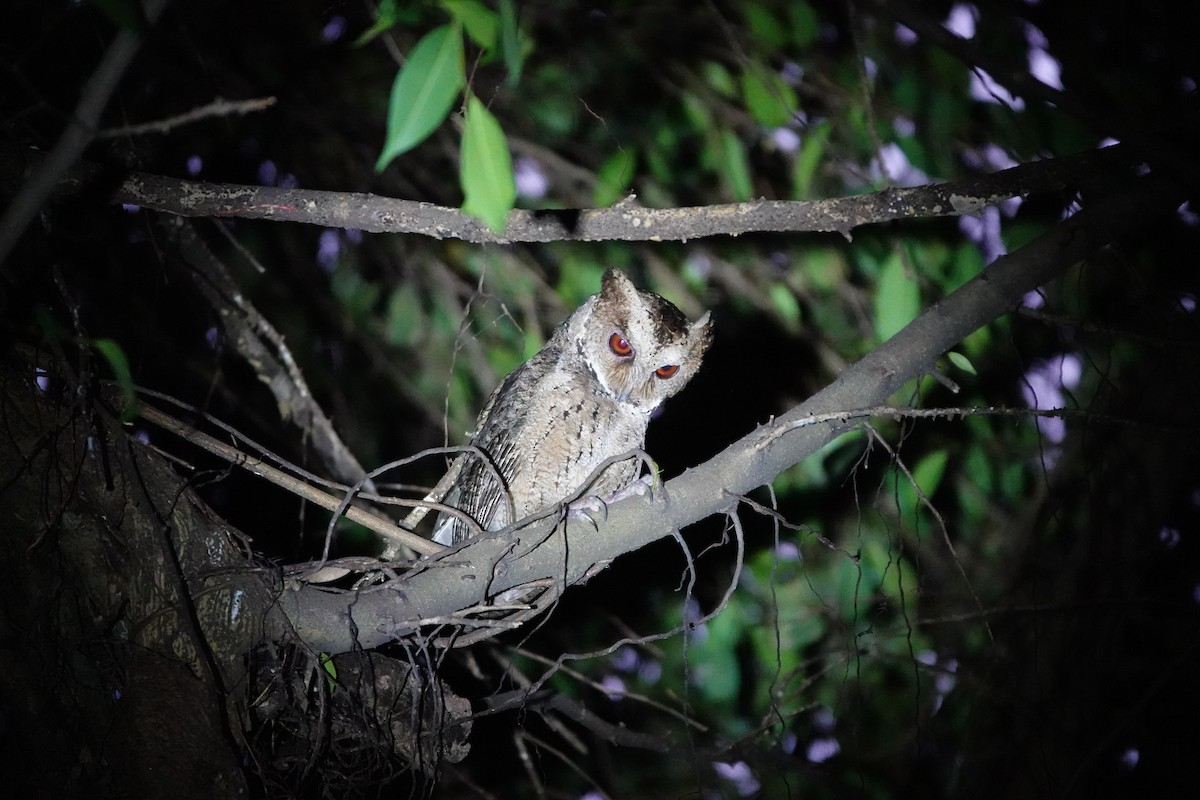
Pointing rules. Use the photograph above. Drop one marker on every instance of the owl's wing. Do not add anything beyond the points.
(475, 489)
(444, 531)
(477, 493)
(447, 530)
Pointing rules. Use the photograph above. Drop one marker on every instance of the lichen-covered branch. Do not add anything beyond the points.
(626, 221)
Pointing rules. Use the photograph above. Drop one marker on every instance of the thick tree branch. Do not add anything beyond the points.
(481, 568)
(148, 591)
(625, 221)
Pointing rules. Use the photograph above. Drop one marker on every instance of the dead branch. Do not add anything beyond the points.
(626, 221)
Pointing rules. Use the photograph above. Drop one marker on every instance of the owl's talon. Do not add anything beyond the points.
(585, 507)
(641, 487)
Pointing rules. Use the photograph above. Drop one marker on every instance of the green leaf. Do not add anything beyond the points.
(613, 178)
(962, 362)
(929, 471)
(810, 159)
(531, 344)
(330, 670)
(510, 41)
(965, 262)
(549, 104)
(481, 24)
(805, 24)
(981, 475)
(783, 300)
(405, 321)
(119, 364)
(764, 27)
(798, 622)
(713, 655)
(976, 344)
(897, 298)
(699, 115)
(927, 475)
(768, 99)
(825, 268)
(736, 166)
(717, 77)
(424, 91)
(885, 569)
(579, 276)
(486, 171)
(387, 14)
(358, 296)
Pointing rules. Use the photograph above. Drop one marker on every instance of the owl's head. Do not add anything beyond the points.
(640, 347)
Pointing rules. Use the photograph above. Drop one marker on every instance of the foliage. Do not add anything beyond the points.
(425, 88)
(427, 85)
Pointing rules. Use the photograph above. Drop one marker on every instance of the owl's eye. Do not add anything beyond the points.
(620, 345)
(667, 371)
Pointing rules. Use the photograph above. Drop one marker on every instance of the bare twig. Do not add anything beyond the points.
(941, 523)
(217, 108)
(294, 485)
(515, 699)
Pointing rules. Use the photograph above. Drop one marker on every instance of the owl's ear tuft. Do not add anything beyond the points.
(614, 284)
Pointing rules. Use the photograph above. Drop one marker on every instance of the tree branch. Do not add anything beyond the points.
(625, 221)
(486, 566)
(217, 108)
(263, 349)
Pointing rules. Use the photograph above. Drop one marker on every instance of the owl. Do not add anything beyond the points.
(585, 397)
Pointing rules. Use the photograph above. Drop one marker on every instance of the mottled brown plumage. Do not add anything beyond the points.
(586, 396)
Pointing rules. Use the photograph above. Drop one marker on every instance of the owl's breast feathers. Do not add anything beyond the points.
(545, 435)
